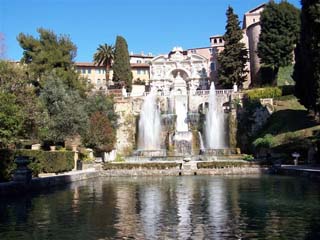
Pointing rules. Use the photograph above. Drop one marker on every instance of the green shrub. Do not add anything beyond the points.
(128, 166)
(84, 155)
(228, 164)
(286, 98)
(6, 164)
(248, 157)
(268, 92)
(49, 162)
(119, 158)
(267, 141)
(41, 161)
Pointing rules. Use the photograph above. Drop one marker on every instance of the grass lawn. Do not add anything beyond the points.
(291, 126)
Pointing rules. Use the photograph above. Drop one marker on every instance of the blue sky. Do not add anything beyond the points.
(148, 25)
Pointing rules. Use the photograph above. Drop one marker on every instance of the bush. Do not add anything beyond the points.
(49, 162)
(248, 157)
(41, 162)
(268, 92)
(128, 166)
(6, 164)
(267, 141)
(228, 164)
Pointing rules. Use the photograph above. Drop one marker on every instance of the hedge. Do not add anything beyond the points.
(128, 166)
(268, 92)
(41, 161)
(225, 164)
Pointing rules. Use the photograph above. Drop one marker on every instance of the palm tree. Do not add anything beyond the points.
(104, 56)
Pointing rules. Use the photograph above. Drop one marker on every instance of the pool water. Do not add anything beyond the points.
(190, 207)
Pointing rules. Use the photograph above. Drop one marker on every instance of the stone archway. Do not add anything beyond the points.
(183, 73)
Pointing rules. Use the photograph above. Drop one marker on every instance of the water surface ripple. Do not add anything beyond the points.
(195, 207)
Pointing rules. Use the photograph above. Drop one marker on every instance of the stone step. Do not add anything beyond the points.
(189, 166)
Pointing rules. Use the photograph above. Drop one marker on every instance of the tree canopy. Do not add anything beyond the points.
(11, 119)
(307, 67)
(121, 67)
(232, 60)
(66, 110)
(280, 26)
(50, 53)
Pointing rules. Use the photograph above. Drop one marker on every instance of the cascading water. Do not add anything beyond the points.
(214, 122)
(201, 141)
(149, 124)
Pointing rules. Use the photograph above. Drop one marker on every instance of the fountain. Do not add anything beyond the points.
(180, 93)
(150, 127)
(214, 126)
(182, 136)
(202, 148)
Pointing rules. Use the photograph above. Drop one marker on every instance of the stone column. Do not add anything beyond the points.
(76, 156)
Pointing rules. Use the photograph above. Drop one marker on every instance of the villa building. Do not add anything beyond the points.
(145, 67)
(96, 75)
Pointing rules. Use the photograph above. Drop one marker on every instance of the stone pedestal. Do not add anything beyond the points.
(22, 174)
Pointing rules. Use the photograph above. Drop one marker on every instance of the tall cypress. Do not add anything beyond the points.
(121, 66)
(307, 67)
(232, 60)
(279, 35)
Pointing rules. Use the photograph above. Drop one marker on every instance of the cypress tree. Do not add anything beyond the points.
(279, 35)
(307, 67)
(232, 60)
(121, 66)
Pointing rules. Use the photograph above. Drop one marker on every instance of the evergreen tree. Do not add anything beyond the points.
(50, 53)
(11, 119)
(65, 109)
(104, 57)
(307, 67)
(121, 66)
(232, 60)
(279, 35)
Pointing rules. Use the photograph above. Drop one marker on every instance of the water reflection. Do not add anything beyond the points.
(195, 207)
(184, 200)
(151, 209)
(217, 209)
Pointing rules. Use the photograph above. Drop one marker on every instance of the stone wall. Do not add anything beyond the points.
(181, 172)
(126, 130)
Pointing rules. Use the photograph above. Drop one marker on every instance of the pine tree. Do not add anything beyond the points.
(50, 53)
(121, 66)
(232, 60)
(307, 67)
(279, 35)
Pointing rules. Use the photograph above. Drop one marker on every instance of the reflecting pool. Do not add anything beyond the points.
(193, 207)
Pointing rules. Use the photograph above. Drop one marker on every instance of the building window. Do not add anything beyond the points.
(220, 40)
(254, 20)
(98, 82)
(138, 71)
(138, 61)
(193, 51)
(213, 66)
(83, 70)
(89, 70)
(215, 40)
